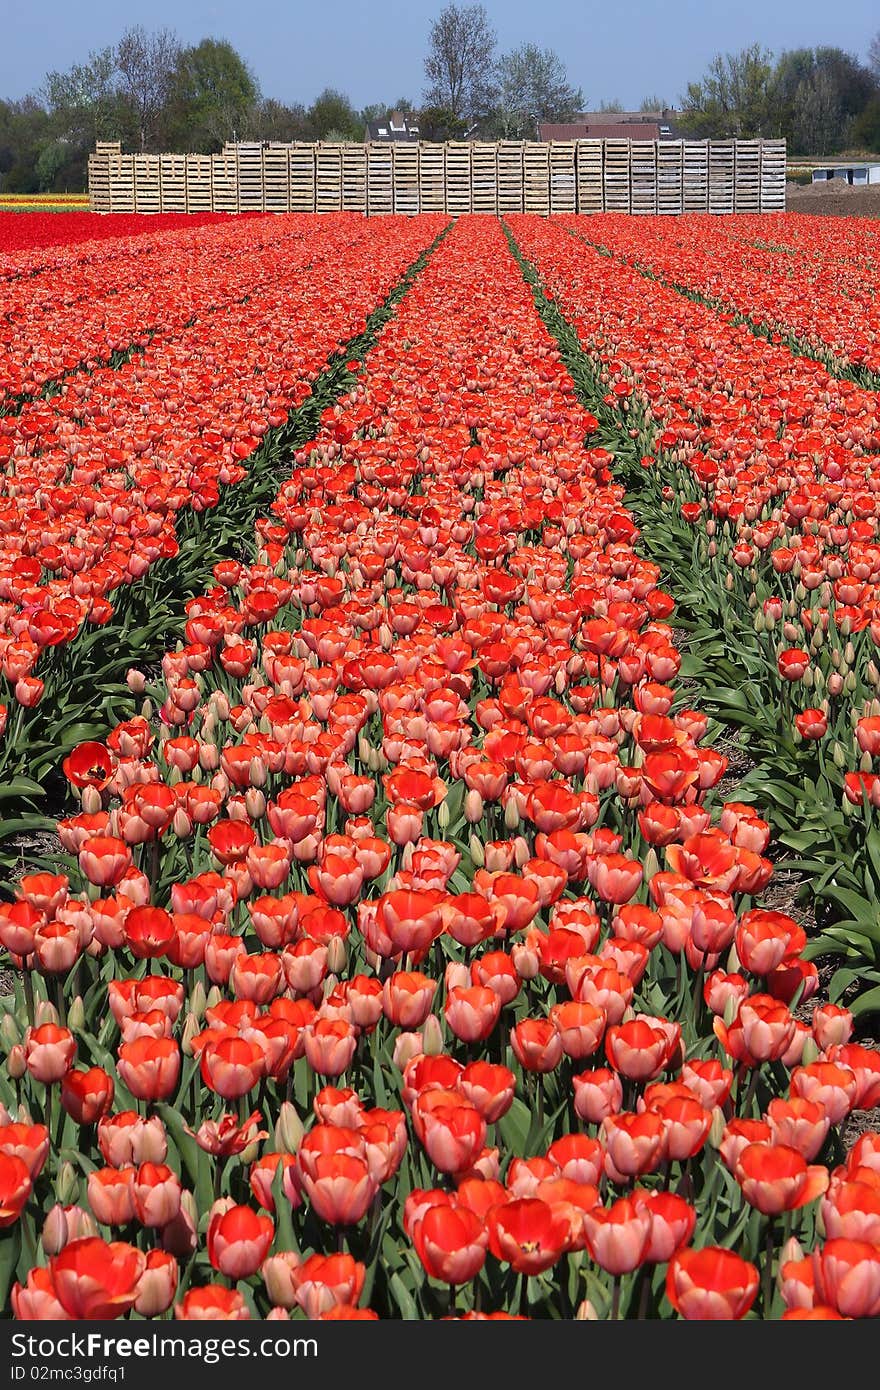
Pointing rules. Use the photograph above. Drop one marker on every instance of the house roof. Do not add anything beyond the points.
(396, 126)
(643, 130)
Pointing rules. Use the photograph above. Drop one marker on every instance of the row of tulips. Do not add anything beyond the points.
(97, 477)
(45, 243)
(401, 962)
(824, 304)
(766, 498)
(53, 325)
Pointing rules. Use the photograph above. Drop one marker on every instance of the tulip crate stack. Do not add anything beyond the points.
(99, 175)
(510, 176)
(563, 186)
(670, 168)
(250, 177)
(773, 165)
(747, 176)
(536, 178)
(405, 178)
(616, 176)
(643, 176)
(458, 178)
(302, 177)
(695, 177)
(328, 178)
(354, 178)
(123, 195)
(432, 185)
(147, 174)
(721, 176)
(172, 179)
(198, 183)
(380, 179)
(224, 183)
(588, 159)
(276, 178)
(484, 178)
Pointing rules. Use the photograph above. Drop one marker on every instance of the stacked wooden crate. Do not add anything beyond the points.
(643, 176)
(380, 179)
(302, 177)
(695, 176)
(484, 177)
(198, 183)
(432, 185)
(458, 178)
(123, 197)
(722, 172)
(354, 178)
(328, 177)
(747, 176)
(536, 178)
(172, 179)
(250, 177)
(588, 163)
(773, 159)
(510, 176)
(147, 182)
(224, 182)
(670, 170)
(616, 176)
(405, 177)
(276, 178)
(563, 184)
(99, 175)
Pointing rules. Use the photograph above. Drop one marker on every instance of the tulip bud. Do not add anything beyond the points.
(181, 824)
(526, 962)
(255, 802)
(136, 681)
(443, 815)
(278, 1314)
(731, 1008)
(191, 1027)
(511, 815)
(473, 807)
(810, 1053)
(215, 996)
(45, 1013)
(791, 1250)
(250, 1152)
(66, 1184)
(716, 1128)
(76, 1015)
(55, 1233)
(476, 849)
(147, 709)
(586, 1312)
(337, 955)
(9, 1034)
(289, 1129)
(90, 800)
(652, 864)
(407, 1046)
(197, 1000)
(432, 1036)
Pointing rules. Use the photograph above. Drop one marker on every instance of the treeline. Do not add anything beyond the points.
(822, 100)
(153, 93)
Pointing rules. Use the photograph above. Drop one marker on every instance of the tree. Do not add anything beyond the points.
(272, 120)
(816, 116)
(819, 95)
(733, 99)
(146, 64)
(866, 128)
(533, 86)
(874, 55)
(332, 114)
(212, 98)
(84, 102)
(654, 103)
(611, 107)
(460, 62)
(438, 123)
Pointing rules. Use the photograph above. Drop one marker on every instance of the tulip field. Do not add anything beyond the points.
(439, 767)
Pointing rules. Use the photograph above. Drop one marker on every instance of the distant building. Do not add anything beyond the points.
(857, 174)
(398, 127)
(613, 125)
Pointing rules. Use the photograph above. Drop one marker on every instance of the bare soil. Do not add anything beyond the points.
(833, 199)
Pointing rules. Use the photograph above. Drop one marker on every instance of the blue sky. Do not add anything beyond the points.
(373, 49)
